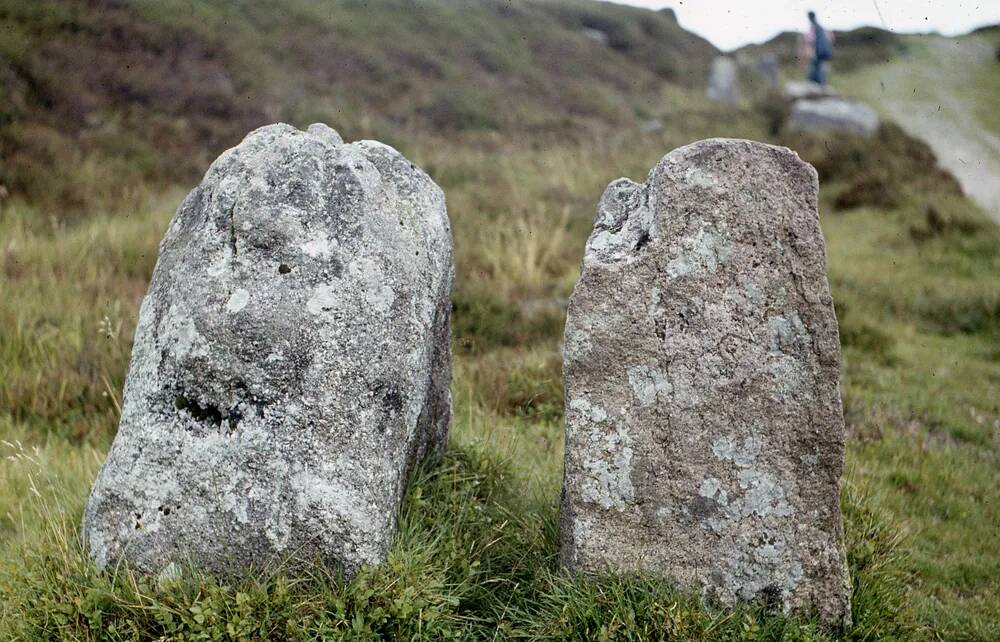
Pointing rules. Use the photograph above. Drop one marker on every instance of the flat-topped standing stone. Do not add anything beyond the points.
(291, 363)
(704, 427)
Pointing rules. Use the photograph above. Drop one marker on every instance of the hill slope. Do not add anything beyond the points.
(945, 91)
(151, 90)
(854, 49)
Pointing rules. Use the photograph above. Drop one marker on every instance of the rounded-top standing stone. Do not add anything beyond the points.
(704, 427)
(291, 363)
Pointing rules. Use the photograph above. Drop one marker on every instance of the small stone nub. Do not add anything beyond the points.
(325, 132)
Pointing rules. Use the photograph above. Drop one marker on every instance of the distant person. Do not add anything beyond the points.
(817, 49)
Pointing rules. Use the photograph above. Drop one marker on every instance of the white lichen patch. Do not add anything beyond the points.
(324, 299)
(647, 384)
(334, 505)
(665, 514)
(220, 265)
(764, 495)
(608, 477)
(367, 277)
(319, 246)
(757, 493)
(576, 345)
(607, 468)
(594, 413)
(711, 488)
(603, 242)
(754, 568)
(237, 301)
(742, 454)
(702, 253)
(235, 503)
(789, 375)
(179, 332)
(624, 224)
(754, 294)
(655, 307)
(811, 459)
(789, 343)
(363, 289)
(701, 177)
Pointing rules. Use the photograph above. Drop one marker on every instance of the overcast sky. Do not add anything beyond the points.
(734, 23)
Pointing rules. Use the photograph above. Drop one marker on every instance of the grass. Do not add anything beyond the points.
(489, 570)
(475, 556)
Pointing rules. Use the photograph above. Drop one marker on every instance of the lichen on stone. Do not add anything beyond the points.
(704, 431)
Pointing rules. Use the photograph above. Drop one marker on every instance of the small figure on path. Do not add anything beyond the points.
(817, 49)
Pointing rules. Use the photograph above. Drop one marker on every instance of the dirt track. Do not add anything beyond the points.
(930, 93)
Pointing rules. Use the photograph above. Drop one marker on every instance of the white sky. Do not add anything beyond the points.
(729, 24)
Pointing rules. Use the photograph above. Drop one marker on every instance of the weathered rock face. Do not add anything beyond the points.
(704, 428)
(833, 115)
(291, 363)
(722, 83)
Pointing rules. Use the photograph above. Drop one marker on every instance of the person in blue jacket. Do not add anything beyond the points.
(817, 49)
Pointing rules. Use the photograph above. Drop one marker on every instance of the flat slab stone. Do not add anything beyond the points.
(291, 363)
(797, 89)
(833, 115)
(704, 427)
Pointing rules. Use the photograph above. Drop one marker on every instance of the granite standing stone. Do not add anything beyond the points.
(722, 82)
(704, 428)
(291, 363)
(768, 68)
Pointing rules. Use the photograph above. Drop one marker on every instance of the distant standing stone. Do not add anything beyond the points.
(722, 81)
(704, 427)
(598, 36)
(833, 115)
(767, 67)
(651, 126)
(291, 363)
